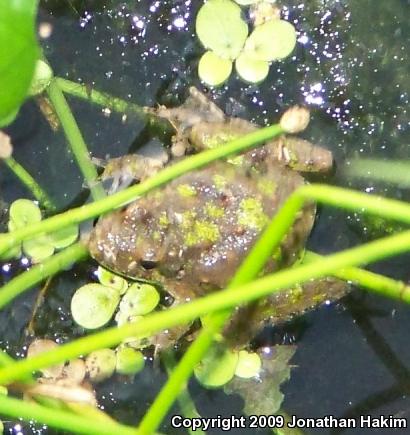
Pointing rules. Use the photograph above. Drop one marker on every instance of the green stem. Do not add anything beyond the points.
(75, 139)
(60, 419)
(100, 98)
(40, 272)
(391, 171)
(185, 401)
(221, 300)
(77, 215)
(31, 184)
(113, 103)
(374, 282)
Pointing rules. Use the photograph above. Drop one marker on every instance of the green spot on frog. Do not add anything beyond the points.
(156, 235)
(188, 219)
(219, 181)
(238, 160)
(202, 231)
(267, 187)
(217, 139)
(163, 220)
(295, 294)
(214, 211)
(186, 191)
(251, 214)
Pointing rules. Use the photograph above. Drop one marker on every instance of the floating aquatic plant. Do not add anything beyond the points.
(129, 361)
(140, 299)
(101, 364)
(24, 212)
(93, 305)
(224, 33)
(41, 78)
(270, 41)
(220, 28)
(250, 69)
(217, 368)
(214, 69)
(110, 279)
(19, 51)
(249, 364)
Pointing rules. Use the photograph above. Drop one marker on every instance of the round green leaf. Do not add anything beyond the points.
(64, 237)
(250, 69)
(249, 364)
(9, 118)
(213, 70)
(220, 28)
(24, 212)
(217, 368)
(93, 305)
(100, 364)
(140, 299)
(42, 77)
(247, 2)
(129, 361)
(18, 53)
(272, 40)
(109, 279)
(38, 249)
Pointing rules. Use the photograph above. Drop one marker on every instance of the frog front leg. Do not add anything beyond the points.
(130, 168)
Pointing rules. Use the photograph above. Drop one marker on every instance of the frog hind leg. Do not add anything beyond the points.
(300, 154)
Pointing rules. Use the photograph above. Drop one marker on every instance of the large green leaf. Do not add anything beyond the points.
(18, 53)
(220, 28)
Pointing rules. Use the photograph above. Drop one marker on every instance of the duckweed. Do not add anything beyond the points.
(213, 69)
(110, 279)
(101, 364)
(140, 299)
(217, 368)
(129, 361)
(249, 365)
(93, 305)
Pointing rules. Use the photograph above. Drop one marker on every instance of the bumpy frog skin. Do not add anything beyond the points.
(191, 235)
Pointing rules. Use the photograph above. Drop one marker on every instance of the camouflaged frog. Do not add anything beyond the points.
(191, 235)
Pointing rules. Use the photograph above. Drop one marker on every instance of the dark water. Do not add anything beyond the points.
(351, 67)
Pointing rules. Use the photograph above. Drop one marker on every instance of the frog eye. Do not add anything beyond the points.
(148, 264)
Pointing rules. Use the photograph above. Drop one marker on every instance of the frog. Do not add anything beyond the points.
(190, 236)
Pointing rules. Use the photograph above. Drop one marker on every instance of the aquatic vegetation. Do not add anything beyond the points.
(214, 69)
(41, 78)
(101, 364)
(217, 368)
(222, 30)
(249, 364)
(18, 55)
(129, 361)
(220, 27)
(24, 212)
(93, 305)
